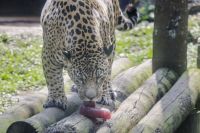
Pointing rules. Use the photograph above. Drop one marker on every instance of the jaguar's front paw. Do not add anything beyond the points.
(132, 13)
(56, 102)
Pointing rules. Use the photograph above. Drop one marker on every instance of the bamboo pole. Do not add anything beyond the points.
(167, 115)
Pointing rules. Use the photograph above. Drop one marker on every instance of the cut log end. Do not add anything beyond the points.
(21, 127)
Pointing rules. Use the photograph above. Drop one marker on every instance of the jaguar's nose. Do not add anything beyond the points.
(90, 94)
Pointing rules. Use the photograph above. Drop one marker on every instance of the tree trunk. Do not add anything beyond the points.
(42, 120)
(167, 115)
(33, 103)
(191, 124)
(137, 105)
(169, 37)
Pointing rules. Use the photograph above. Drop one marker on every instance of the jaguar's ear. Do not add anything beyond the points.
(108, 50)
(67, 55)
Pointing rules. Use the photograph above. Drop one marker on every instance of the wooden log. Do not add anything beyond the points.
(73, 124)
(37, 123)
(30, 105)
(137, 105)
(174, 107)
(128, 81)
(125, 84)
(120, 65)
(33, 103)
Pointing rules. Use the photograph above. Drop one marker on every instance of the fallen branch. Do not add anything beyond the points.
(174, 107)
(33, 103)
(131, 78)
(137, 105)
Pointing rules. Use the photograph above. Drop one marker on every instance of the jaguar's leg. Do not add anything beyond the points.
(125, 22)
(54, 79)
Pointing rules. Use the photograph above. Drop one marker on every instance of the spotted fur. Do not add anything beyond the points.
(79, 35)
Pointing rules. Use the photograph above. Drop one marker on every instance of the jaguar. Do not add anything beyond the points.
(79, 36)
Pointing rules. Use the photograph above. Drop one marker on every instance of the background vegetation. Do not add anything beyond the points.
(20, 58)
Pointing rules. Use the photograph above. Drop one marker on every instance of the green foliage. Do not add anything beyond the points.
(20, 63)
(193, 39)
(194, 29)
(146, 12)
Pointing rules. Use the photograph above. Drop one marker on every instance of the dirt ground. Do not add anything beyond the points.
(15, 26)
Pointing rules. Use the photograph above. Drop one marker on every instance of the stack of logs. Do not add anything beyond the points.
(146, 103)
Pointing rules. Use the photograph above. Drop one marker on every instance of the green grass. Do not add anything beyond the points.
(135, 44)
(20, 63)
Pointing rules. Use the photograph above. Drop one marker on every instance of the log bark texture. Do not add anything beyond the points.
(120, 65)
(33, 103)
(137, 105)
(168, 113)
(125, 83)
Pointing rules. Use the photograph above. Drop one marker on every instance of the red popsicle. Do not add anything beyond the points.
(89, 110)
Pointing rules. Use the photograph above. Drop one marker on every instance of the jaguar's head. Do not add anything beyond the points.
(89, 70)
